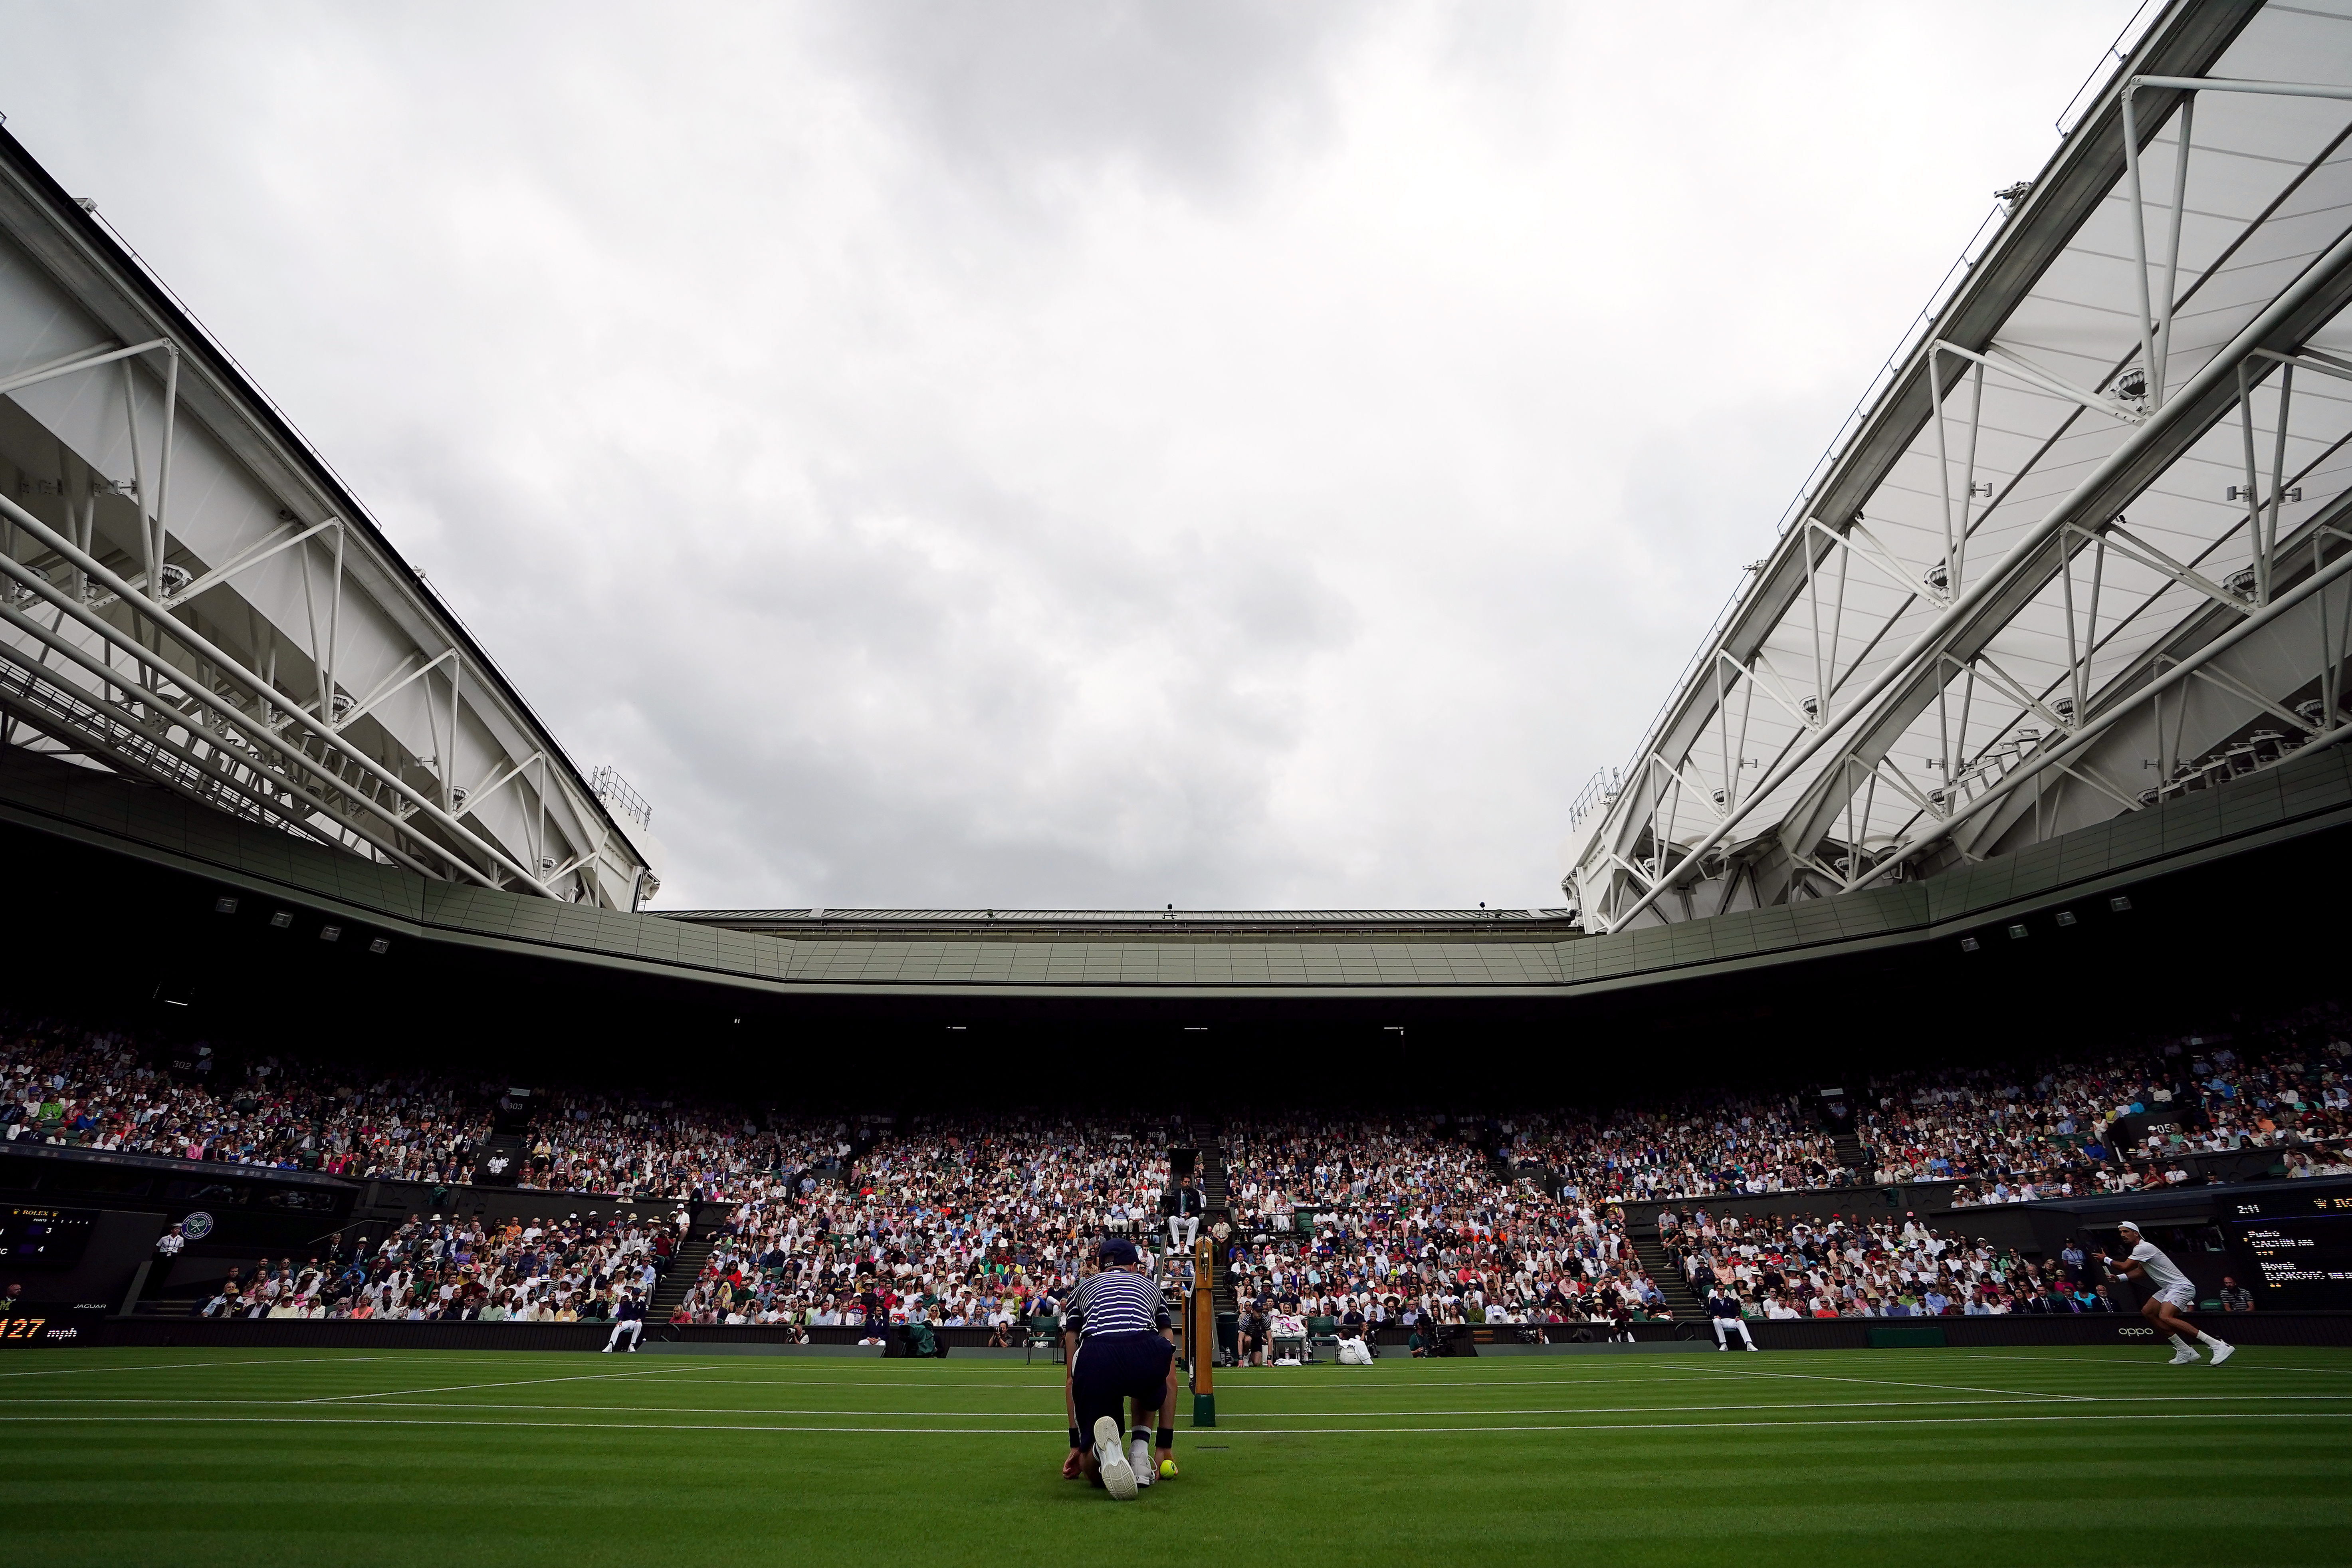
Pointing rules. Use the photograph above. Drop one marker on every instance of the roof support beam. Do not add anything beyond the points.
(2144, 451)
(2067, 750)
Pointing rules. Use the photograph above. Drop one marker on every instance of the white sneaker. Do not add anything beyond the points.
(2184, 1355)
(1139, 1460)
(2222, 1351)
(1117, 1474)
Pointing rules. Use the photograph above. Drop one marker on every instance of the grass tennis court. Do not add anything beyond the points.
(1928, 1457)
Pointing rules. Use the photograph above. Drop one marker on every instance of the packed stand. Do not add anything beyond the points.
(2077, 1129)
(64, 1085)
(577, 1270)
(1856, 1269)
(948, 1224)
(1721, 1144)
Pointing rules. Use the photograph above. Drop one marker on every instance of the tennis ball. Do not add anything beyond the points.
(1167, 1467)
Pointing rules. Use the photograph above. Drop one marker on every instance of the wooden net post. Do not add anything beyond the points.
(1203, 1332)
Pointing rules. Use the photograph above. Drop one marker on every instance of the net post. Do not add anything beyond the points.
(1202, 1331)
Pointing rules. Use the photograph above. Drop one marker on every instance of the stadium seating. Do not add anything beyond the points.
(1382, 1223)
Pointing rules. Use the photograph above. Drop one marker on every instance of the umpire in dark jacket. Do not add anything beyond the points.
(1184, 1205)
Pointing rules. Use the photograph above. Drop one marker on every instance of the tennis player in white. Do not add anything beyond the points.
(2171, 1292)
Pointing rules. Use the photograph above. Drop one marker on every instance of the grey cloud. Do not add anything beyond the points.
(909, 445)
(1190, 93)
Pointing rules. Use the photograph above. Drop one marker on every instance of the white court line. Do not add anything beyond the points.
(1876, 1381)
(1226, 1381)
(484, 1405)
(512, 1383)
(184, 1365)
(1234, 1431)
(2141, 1360)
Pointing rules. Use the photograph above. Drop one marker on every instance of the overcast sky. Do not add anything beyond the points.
(1079, 453)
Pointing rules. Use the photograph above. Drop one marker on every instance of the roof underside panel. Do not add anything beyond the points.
(2024, 564)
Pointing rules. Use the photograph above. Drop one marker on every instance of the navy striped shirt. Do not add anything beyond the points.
(1116, 1301)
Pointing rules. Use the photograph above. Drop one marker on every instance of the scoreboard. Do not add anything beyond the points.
(2297, 1245)
(44, 1238)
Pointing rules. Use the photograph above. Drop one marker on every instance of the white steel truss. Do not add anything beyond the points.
(2096, 529)
(189, 595)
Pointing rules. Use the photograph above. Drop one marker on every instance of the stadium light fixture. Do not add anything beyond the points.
(2065, 917)
(380, 946)
(2017, 932)
(281, 919)
(2120, 904)
(1970, 944)
(224, 906)
(331, 933)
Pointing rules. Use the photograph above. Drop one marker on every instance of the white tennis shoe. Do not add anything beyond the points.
(2223, 1351)
(2184, 1355)
(1117, 1474)
(1139, 1460)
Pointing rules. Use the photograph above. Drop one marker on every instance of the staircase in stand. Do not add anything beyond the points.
(1854, 1158)
(1685, 1302)
(1210, 1174)
(685, 1268)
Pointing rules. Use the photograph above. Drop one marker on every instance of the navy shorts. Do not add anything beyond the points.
(1109, 1369)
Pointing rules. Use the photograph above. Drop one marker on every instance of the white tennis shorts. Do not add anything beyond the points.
(2181, 1296)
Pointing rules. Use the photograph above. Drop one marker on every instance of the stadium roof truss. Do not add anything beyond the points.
(2086, 551)
(189, 597)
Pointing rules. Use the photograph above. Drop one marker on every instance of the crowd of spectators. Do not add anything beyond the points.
(1751, 1146)
(1875, 1268)
(107, 1089)
(1418, 1219)
(575, 1269)
(2123, 1122)
(954, 1224)
(1365, 1222)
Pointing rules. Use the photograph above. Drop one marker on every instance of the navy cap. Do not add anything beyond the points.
(1115, 1249)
